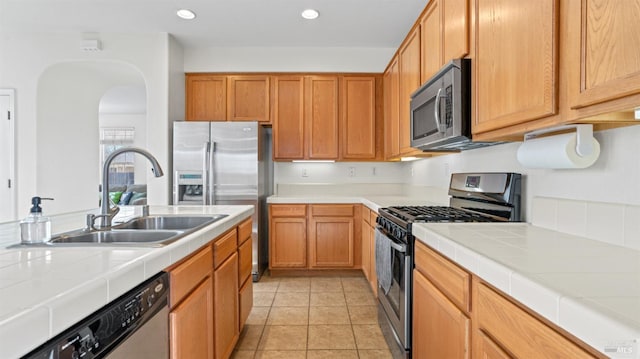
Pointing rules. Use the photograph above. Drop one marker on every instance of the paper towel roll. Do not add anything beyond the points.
(556, 152)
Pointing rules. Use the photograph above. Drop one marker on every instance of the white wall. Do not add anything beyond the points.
(287, 59)
(25, 56)
(176, 100)
(615, 177)
(338, 172)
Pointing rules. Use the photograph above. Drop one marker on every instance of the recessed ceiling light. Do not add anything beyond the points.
(186, 14)
(310, 14)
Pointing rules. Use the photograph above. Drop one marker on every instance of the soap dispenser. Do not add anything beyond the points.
(36, 228)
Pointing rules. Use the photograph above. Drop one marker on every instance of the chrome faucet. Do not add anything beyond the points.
(106, 211)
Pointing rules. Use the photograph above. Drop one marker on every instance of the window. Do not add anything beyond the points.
(121, 171)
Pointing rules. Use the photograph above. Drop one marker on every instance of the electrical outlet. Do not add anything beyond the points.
(373, 171)
(352, 171)
(411, 171)
(305, 173)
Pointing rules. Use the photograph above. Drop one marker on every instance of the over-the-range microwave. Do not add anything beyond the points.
(441, 110)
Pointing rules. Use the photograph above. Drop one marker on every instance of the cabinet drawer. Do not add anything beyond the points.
(288, 210)
(366, 213)
(245, 262)
(452, 280)
(188, 274)
(224, 247)
(519, 332)
(244, 231)
(332, 210)
(372, 218)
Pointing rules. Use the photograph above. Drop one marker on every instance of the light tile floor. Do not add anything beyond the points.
(312, 317)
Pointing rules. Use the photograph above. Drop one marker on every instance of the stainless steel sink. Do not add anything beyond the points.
(170, 222)
(148, 231)
(119, 236)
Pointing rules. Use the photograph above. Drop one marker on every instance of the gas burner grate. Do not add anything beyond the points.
(436, 214)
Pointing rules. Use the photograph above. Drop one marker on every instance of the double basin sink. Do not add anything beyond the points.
(149, 231)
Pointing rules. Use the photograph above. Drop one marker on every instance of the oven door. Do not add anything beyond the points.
(396, 303)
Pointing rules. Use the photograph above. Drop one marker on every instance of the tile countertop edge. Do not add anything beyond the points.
(16, 341)
(568, 312)
(373, 202)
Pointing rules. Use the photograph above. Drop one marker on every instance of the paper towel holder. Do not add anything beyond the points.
(584, 136)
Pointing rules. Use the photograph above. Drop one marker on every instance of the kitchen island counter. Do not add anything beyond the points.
(589, 288)
(44, 290)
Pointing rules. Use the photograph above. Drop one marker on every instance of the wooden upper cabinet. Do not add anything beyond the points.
(206, 97)
(516, 62)
(409, 62)
(358, 123)
(455, 34)
(607, 49)
(431, 37)
(321, 116)
(249, 98)
(288, 117)
(392, 110)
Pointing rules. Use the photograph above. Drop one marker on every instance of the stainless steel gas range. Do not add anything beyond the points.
(475, 197)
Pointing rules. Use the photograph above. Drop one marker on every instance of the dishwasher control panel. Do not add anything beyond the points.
(109, 326)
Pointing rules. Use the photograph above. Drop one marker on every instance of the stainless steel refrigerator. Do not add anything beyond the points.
(226, 163)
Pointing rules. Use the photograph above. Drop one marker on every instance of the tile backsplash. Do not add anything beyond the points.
(612, 223)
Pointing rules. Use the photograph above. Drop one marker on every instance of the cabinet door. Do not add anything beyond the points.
(331, 241)
(246, 301)
(288, 243)
(191, 324)
(440, 329)
(288, 117)
(321, 116)
(245, 262)
(455, 34)
(373, 277)
(227, 325)
(206, 98)
(249, 98)
(485, 348)
(409, 58)
(431, 37)
(516, 62)
(392, 110)
(366, 250)
(606, 49)
(358, 125)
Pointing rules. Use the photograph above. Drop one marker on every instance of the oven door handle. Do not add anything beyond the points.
(398, 247)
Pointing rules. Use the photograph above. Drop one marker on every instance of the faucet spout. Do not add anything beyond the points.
(106, 212)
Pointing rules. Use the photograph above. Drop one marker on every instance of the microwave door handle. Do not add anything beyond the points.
(436, 111)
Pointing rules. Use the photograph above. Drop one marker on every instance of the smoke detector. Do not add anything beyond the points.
(91, 45)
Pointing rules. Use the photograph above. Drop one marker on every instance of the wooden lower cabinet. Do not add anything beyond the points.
(226, 309)
(515, 331)
(331, 242)
(191, 307)
(208, 302)
(191, 324)
(369, 247)
(288, 243)
(317, 236)
(457, 315)
(440, 328)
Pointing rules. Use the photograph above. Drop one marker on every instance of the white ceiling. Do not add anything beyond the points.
(224, 23)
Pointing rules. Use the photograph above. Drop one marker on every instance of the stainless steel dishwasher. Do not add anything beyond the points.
(136, 325)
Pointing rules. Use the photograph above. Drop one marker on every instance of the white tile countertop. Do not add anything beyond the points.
(589, 288)
(44, 290)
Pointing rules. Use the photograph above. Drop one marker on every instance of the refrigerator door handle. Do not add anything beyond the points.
(211, 173)
(206, 149)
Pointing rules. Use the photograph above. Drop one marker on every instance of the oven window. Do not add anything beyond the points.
(424, 120)
(396, 292)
